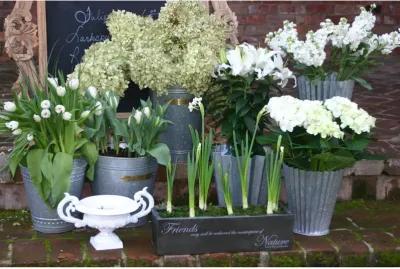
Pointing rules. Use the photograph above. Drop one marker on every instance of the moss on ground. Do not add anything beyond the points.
(388, 258)
(354, 261)
(19, 216)
(320, 259)
(210, 261)
(294, 260)
(245, 260)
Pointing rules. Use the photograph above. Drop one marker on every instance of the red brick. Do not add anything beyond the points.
(286, 8)
(309, 243)
(66, 251)
(252, 19)
(380, 241)
(138, 247)
(4, 254)
(348, 243)
(319, 8)
(346, 9)
(29, 253)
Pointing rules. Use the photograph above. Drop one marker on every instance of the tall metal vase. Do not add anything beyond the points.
(125, 176)
(177, 135)
(311, 198)
(257, 184)
(45, 219)
(322, 90)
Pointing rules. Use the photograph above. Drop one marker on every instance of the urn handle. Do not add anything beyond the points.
(146, 206)
(65, 215)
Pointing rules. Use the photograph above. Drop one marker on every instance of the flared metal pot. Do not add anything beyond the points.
(257, 183)
(311, 198)
(177, 135)
(125, 176)
(322, 90)
(44, 218)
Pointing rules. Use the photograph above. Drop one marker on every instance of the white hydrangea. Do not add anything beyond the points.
(286, 111)
(350, 114)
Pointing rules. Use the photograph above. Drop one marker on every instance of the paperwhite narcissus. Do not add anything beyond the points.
(36, 118)
(12, 124)
(67, 116)
(10, 106)
(73, 84)
(17, 132)
(60, 91)
(59, 109)
(92, 91)
(45, 104)
(45, 114)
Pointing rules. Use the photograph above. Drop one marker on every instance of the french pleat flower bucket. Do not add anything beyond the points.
(177, 135)
(125, 176)
(311, 197)
(44, 218)
(324, 89)
(257, 187)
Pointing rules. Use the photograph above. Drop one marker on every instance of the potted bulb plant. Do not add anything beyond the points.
(321, 139)
(50, 146)
(244, 79)
(216, 229)
(353, 51)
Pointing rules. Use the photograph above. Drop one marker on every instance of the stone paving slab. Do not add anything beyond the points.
(363, 233)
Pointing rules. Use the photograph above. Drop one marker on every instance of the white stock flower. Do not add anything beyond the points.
(283, 39)
(59, 109)
(73, 83)
(45, 113)
(138, 116)
(99, 109)
(45, 104)
(17, 132)
(92, 91)
(85, 114)
(53, 81)
(67, 116)
(37, 118)
(29, 137)
(12, 125)
(146, 111)
(60, 91)
(10, 106)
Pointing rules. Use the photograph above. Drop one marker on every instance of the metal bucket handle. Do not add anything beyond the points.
(65, 215)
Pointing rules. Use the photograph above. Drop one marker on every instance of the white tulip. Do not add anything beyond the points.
(60, 91)
(45, 113)
(45, 104)
(138, 116)
(85, 114)
(29, 137)
(92, 91)
(53, 82)
(17, 132)
(59, 109)
(12, 124)
(99, 109)
(146, 111)
(73, 84)
(10, 106)
(67, 116)
(36, 118)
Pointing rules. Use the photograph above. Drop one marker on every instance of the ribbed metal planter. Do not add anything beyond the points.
(124, 176)
(177, 136)
(45, 219)
(257, 187)
(322, 90)
(311, 198)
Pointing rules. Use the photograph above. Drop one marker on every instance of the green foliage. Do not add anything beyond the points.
(226, 189)
(170, 170)
(274, 161)
(47, 125)
(192, 166)
(313, 153)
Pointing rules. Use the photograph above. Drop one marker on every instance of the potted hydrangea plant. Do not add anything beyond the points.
(353, 51)
(244, 79)
(321, 139)
(216, 229)
(50, 146)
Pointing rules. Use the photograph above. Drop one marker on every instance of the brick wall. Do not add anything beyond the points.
(256, 18)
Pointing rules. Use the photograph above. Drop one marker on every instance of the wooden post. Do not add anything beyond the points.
(42, 57)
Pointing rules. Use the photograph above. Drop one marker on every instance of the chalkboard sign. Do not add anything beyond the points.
(72, 26)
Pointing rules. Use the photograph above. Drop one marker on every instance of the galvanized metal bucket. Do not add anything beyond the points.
(177, 135)
(257, 185)
(124, 176)
(322, 90)
(311, 198)
(45, 219)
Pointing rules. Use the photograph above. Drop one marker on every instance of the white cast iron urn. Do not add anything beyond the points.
(106, 213)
